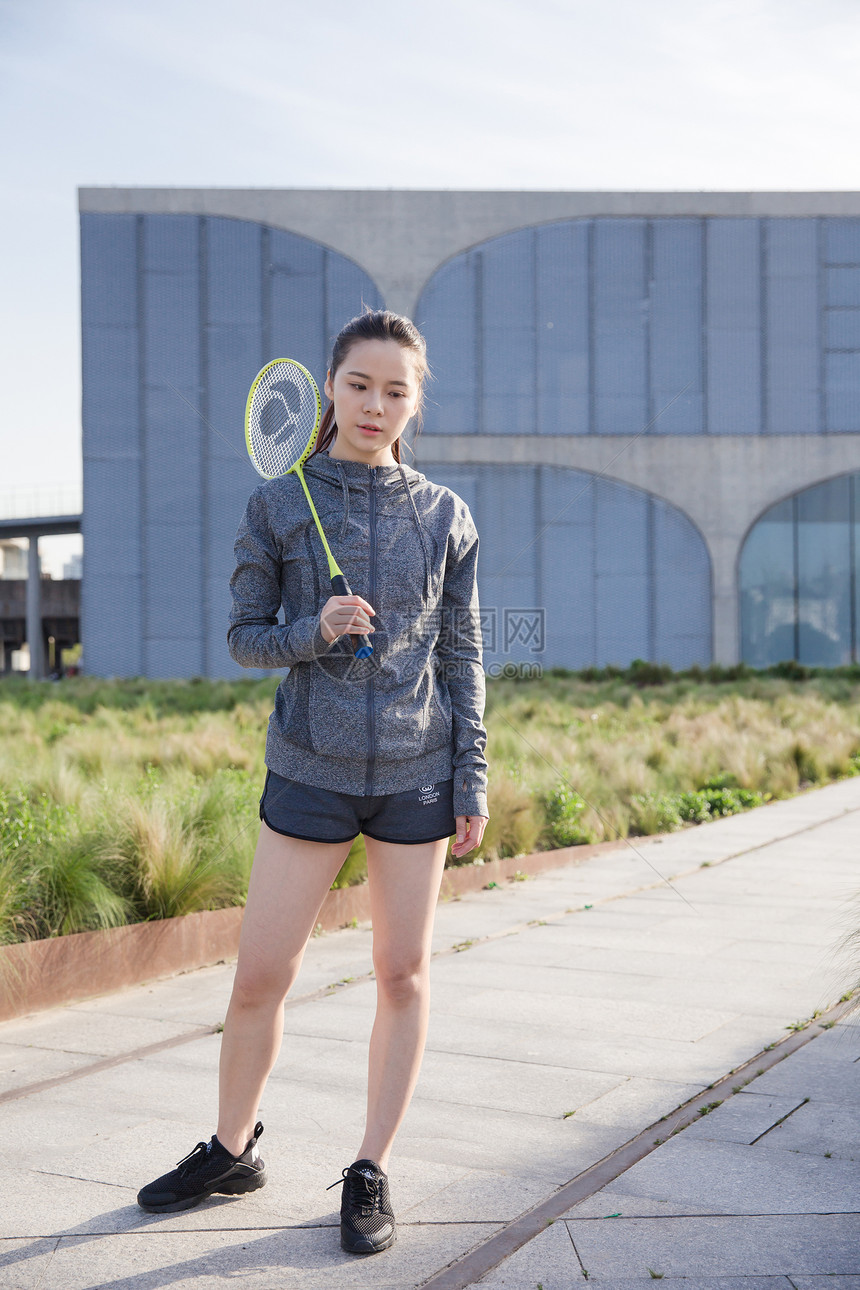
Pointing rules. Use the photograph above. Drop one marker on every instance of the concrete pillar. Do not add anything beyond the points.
(34, 611)
(724, 551)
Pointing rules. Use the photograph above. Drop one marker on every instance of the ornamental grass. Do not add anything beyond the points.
(122, 801)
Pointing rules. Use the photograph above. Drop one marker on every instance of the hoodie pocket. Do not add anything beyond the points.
(338, 719)
(410, 718)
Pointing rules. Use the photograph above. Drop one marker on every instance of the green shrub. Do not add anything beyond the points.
(563, 807)
(655, 813)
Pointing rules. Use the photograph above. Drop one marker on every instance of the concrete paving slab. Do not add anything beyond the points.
(55, 1125)
(462, 1080)
(65, 1030)
(706, 987)
(23, 1064)
(337, 1016)
(626, 1016)
(732, 1178)
(634, 1103)
(743, 1118)
(619, 1054)
(39, 1205)
(526, 948)
(302, 1058)
(701, 941)
(718, 1246)
(692, 1283)
(609, 1203)
(478, 1195)
(729, 1046)
(313, 1114)
(23, 1264)
(549, 1260)
(533, 1145)
(799, 959)
(829, 1067)
(732, 921)
(816, 1128)
(290, 1258)
(775, 969)
(179, 998)
(826, 1283)
(471, 917)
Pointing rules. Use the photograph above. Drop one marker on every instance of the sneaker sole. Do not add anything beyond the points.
(236, 1187)
(366, 1247)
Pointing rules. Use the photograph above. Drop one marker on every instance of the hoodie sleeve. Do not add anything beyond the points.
(255, 637)
(459, 649)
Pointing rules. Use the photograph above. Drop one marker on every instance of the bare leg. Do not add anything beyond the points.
(289, 882)
(404, 888)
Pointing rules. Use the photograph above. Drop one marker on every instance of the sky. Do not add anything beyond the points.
(539, 94)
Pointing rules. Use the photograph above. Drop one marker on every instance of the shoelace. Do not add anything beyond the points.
(194, 1159)
(363, 1191)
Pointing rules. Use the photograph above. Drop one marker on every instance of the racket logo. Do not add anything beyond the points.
(278, 414)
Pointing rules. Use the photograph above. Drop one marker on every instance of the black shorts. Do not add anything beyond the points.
(297, 810)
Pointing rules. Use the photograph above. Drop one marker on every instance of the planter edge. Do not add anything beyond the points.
(35, 975)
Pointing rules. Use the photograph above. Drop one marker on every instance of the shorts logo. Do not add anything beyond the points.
(428, 794)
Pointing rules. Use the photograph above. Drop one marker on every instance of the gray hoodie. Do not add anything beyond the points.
(412, 713)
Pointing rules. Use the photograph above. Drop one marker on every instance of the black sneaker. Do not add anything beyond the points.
(206, 1169)
(366, 1216)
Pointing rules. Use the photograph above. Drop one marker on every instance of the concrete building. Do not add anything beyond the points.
(13, 559)
(650, 402)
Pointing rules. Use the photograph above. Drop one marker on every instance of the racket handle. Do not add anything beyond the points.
(360, 644)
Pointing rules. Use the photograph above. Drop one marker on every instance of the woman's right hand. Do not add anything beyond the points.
(342, 614)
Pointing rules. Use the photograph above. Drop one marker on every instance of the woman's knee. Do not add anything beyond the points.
(257, 984)
(402, 982)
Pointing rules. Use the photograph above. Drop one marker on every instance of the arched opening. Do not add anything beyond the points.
(798, 578)
(576, 570)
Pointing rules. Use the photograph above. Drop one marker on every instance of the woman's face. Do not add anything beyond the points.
(374, 391)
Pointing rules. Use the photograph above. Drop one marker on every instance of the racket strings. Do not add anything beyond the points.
(282, 418)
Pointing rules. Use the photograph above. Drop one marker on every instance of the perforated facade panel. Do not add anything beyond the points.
(179, 314)
(574, 570)
(614, 326)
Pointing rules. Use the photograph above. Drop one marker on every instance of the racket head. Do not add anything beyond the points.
(282, 417)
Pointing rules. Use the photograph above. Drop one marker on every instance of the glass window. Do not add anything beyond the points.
(798, 578)
(767, 587)
(824, 575)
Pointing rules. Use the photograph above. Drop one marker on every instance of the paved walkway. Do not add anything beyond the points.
(762, 1192)
(570, 1012)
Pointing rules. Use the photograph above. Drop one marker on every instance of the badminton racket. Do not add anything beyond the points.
(282, 419)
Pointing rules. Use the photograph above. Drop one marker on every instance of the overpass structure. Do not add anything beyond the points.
(38, 610)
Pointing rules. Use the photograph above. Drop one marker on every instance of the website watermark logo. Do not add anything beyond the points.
(451, 640)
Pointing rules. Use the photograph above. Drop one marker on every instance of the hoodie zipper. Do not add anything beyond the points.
(371, 595)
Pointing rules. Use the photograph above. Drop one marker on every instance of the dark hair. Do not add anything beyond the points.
(375, 324)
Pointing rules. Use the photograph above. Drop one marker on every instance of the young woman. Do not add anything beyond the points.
(391, 746)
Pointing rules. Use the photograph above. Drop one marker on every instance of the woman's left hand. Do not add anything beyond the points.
(470, 830)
